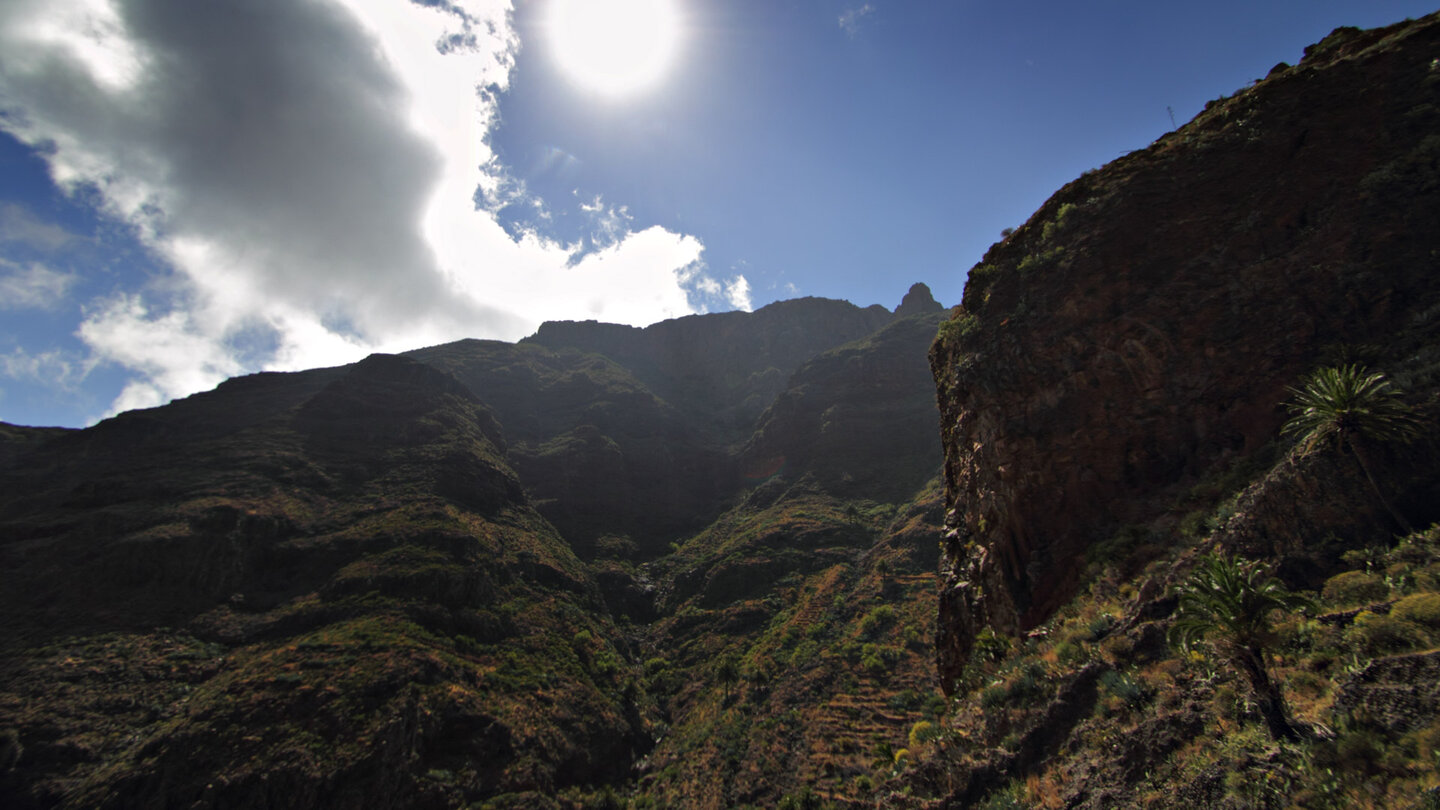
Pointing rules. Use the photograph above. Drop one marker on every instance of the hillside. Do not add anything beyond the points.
(483, 574)
(697, 564)
(1112, 391)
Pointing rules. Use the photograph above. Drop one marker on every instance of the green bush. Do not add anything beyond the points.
(993, 697)
(1068, 652)
(1053, 228)
(1028, 686)
(1420, 608)
(873, 664)
(1354, 588)
(1121, 686)
(803, 799)
(991, 646)
(957, 328)
(1378, 634)
(876, 619)
(1011, 797)
(923, 732)
(1100, 626)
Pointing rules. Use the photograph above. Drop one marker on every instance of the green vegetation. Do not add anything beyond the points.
(1229, 602)
(1355, 588)
(1168, 718)
(1350, 407)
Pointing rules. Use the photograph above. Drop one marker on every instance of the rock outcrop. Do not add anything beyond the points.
(1138, 334)
(859, 419)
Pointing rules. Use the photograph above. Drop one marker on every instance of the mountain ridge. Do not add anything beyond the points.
(431, 579)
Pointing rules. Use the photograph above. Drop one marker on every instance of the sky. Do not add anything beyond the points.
(191, 191)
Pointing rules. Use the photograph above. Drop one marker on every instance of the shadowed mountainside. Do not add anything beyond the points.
(432, 580)
(1112, 392)
(1140, 331)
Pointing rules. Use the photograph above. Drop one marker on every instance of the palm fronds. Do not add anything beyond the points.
(1340, 402)
(1232, 599)
(1349, 406)
(1228, 602)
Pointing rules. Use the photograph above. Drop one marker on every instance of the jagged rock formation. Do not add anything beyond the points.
(918, 300)
(447, 578)
(1138, 334)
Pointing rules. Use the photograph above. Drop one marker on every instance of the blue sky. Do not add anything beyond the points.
(190, 191)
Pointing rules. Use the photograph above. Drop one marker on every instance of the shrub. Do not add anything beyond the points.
(1420, 608)
(803, 799)
(1056, 225)
(1028, 686)
(991, 646)
(1354, 588)
(1378, 634)
(804, 654)
(993, 697)
(1011, 797)
(1068, 652)
(965, 324)
(873, 664)
(923, 732)
(876, 619)
(1100, 626)
(1125, 689)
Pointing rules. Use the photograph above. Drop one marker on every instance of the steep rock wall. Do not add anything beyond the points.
(1141, 329)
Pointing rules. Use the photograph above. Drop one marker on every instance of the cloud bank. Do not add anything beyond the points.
(307, 172)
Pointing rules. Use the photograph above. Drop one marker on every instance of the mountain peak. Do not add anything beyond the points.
(918, 301)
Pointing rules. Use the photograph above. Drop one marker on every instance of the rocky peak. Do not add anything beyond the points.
(918, 301)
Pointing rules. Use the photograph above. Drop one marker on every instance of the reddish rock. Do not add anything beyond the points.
(1140, 331)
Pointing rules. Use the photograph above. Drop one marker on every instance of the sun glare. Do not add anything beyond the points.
(614, 47)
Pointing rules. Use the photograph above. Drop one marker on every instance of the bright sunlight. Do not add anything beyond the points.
(614, 47)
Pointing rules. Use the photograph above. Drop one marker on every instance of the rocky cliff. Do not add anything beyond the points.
(1134, 340)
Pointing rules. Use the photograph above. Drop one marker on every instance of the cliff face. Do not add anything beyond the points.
(859, 419)
(1138, 334)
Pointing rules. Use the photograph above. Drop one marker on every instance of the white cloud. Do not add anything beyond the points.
(609, 223)
(737, 293)
(852, 18)
(173, 351)
(53, 368)
(309, 169)
(19, 226)
(33, 286)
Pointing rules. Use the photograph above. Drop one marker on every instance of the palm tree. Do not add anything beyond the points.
(1228, 602)
(1348, 406)
(727, 672)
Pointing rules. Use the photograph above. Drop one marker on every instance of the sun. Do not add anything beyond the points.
(616, 48)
